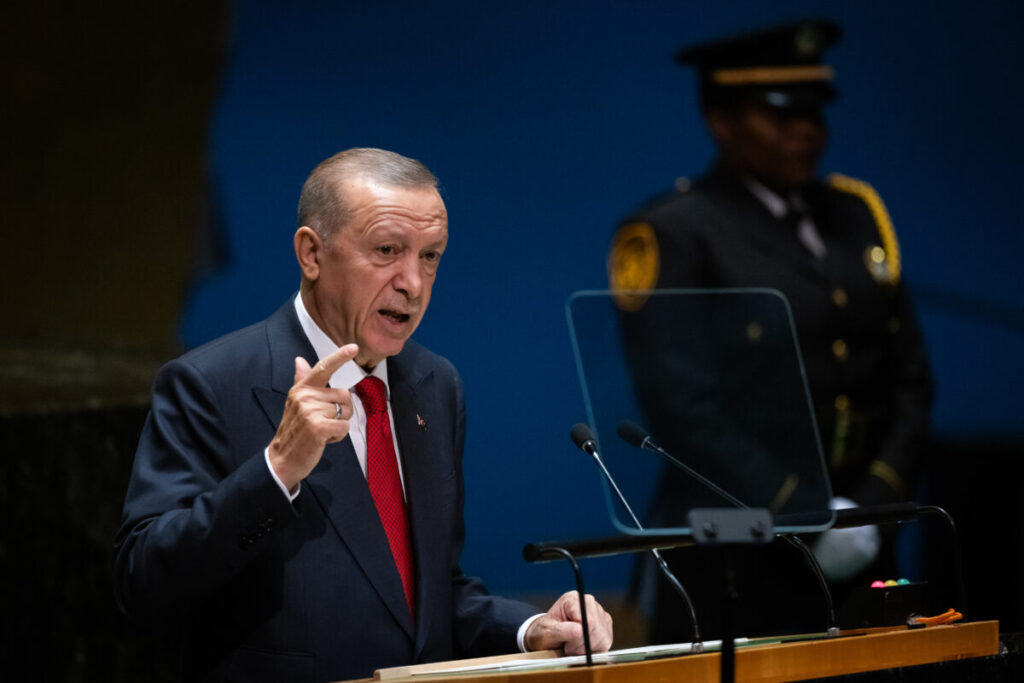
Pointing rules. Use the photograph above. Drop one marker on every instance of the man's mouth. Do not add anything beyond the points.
(393, 315)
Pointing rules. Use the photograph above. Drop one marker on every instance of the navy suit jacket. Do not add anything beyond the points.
(265, 589)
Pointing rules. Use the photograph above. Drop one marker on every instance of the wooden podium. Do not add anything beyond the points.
(850, 653)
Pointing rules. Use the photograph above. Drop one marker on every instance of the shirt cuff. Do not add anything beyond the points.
(280, 484)
(521, 635)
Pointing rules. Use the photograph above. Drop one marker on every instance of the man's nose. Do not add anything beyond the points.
(408, 279)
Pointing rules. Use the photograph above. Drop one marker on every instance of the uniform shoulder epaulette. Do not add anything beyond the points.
(884, 260)
(633, 264)
(634, 261)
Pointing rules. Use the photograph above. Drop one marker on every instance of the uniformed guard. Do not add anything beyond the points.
(761, 217)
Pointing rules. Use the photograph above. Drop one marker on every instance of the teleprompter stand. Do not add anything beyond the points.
(724, 530)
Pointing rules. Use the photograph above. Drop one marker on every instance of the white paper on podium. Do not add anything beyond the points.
(611, 657)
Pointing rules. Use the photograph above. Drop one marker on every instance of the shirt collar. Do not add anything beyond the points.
(775, 204)
(349, 374)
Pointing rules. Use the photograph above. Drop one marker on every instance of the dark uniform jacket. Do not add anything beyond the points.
(865, 363)
(864, 357)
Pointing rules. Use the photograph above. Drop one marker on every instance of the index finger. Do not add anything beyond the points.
(321, 373)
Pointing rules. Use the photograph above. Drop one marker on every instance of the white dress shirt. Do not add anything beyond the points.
(347, 376)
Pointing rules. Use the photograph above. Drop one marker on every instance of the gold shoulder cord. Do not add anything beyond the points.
(878, 211)
(867, 194)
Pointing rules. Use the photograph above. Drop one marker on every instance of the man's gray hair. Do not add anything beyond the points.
(322, 206)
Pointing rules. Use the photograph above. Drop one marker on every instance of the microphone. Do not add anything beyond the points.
(635, 435)
(584, 440)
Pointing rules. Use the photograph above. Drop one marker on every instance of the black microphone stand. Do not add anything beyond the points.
(584, 440)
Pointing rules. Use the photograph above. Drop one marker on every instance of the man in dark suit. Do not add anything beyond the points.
(760, 218)
(295, 506)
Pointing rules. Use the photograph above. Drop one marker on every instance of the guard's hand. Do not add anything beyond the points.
(844, 553)
(314, 416)
(561, 628)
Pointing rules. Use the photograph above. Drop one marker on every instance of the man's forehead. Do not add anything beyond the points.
(411, 212)
(368, 194)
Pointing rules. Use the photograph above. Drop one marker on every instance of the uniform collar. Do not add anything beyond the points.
(775, 204)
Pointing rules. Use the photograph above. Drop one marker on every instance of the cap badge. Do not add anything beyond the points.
(807, 41)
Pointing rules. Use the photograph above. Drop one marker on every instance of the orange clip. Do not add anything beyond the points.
(947, 617)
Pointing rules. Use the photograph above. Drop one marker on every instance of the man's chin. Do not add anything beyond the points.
(378, 352)
(803, 172)
(793, 181)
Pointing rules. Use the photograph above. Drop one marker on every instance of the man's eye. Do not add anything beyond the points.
(387, 249)
(432, 256)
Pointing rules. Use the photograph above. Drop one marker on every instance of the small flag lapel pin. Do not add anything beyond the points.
(421, 422)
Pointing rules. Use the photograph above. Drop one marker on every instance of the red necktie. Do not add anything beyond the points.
(385, 483)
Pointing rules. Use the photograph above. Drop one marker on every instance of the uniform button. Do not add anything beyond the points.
(839, 350)
(893, 325)
(839, 297)
(842, 402)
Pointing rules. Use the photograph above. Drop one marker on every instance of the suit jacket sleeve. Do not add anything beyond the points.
(196, 511)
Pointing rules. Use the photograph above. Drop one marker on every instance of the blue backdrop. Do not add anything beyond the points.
(546, 122)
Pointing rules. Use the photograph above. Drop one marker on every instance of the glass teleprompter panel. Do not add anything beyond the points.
(713, 377)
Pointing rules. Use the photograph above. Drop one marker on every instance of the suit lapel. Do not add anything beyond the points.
(285, 341)
(340, 488)
(337, 482)
(411, 394)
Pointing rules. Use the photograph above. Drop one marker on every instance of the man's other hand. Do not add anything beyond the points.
(561, 629)
(314, 416)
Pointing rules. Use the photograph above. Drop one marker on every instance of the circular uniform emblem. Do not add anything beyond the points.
(633, 265)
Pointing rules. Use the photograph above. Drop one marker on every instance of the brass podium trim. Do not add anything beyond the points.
(857, 653)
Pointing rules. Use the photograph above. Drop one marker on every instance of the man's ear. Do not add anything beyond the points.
(309, 248)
